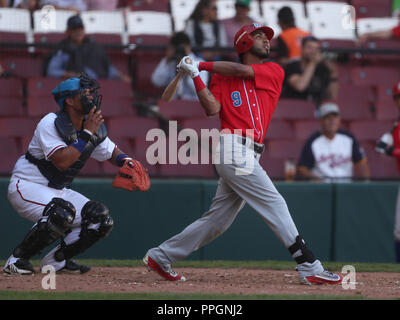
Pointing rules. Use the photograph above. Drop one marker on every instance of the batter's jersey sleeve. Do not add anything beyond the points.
(268, 76)
(396, 31)
(47, 137)
(215, 87)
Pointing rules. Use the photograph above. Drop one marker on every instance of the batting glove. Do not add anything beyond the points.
(189, 66)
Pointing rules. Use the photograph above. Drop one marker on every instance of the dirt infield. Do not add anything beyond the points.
(201, 280)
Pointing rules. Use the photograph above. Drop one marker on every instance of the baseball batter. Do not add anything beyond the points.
(244, 95)
(39, 189)
(389, 144)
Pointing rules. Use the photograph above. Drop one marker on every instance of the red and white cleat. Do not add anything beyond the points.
(325, 277)
(166, 272)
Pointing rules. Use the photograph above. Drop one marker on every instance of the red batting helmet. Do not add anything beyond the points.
(243, 39)
(396, 89)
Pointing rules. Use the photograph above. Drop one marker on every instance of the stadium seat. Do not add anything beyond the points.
(292, 109)
(22, 64)
(91, 168)
(327, 20)
(355, 102)
(17, 126)
(181, 109)
(131, 126)
(372, 8)
(274, 167)
(39, 98)
(226, 10)
(10, 88)
(143, 5)
(140, 153)
(365, 25)
(304, 128)
(15, 25)
(270, 11)
(8, 154)
(370, 129)
(381, 166)
(385, 107)
(181, 10)
(117, 98)
(187, 171)
(142, 24)
(344, 73)
(371, 75)
(280, 129)
(105, 27)
(284, 148)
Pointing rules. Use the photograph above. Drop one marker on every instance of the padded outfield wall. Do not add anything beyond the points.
(340, 222)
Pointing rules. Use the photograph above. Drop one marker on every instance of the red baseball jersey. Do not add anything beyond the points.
(396, 31)
(396, 142)
(248, 104)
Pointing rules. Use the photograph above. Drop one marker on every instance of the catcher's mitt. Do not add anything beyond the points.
(132, 176)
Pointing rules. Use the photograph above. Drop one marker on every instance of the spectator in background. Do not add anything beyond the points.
(101, 5)
(75, 5)
(332, 154)
(241, 18)
(311, 77)
(393, 33)
(78, 53)
(204, 30)
(289, 40)
(389, 144)
(166, 69)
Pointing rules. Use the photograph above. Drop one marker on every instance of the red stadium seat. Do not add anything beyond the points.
(370, 129)
(143, 5)
(303, 129)
(40, 101)
(22, 65)
(292, 109)
(10, 87)
(189, 170)
(374, 75)
(274, 167)
(381, 166)
(17, 127)
(280, 129)
(284, 149)
(372, 8)
(8, 154)
(131, 127)
(91, 168)
(181, 109)
(385, 107)
(355, 102)
(11, 97)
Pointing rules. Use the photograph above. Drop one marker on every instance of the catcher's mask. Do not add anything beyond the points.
(73, 86)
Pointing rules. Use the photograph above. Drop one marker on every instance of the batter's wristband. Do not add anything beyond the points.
(198, 83)
(206, 66)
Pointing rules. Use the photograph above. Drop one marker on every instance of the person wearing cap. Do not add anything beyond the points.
(241, 18)
(332, 154)
(244, 96)
(389, 144)
(78, 53)
(311, 77)
(290, 38)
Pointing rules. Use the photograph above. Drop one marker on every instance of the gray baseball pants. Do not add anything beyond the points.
(242, 180)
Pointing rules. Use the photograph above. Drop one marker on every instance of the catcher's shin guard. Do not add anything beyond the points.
(58, 217)
(300, 252)
(96, 224)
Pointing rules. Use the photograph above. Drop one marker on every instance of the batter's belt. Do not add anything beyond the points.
(257, 147)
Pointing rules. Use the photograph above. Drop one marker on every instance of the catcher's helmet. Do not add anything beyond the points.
(396, 89)
(243, 39)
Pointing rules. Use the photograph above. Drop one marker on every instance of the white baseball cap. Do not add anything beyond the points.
(328, 108)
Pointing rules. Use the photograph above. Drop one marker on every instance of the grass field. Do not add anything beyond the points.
(248, 265)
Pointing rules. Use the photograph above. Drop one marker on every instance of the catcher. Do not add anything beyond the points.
(39, 189)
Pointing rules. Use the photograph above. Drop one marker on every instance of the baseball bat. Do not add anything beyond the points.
(170, 90)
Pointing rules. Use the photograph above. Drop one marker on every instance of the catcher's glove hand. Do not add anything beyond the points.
(132, 176)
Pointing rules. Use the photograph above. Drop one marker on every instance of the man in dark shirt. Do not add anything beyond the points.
(311, 77)
(78, 53)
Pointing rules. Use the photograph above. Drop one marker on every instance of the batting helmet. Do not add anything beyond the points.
(396, 89)
(244, 40)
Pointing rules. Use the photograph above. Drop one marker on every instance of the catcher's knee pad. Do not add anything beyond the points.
(300, 252)
(58, 216)
(96, 224)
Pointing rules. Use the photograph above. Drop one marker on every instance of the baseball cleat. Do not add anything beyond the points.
(166, 272)
(325, 277)
(21, 266)
(72, 266)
